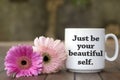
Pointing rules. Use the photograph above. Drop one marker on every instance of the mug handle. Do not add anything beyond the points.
(116, 47)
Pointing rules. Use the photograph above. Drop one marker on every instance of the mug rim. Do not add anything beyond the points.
(88, 28)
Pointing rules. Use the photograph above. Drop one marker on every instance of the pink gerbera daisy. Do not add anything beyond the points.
(22, 61)
(53, 53)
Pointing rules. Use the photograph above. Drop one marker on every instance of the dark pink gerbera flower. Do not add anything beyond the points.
(22, 61)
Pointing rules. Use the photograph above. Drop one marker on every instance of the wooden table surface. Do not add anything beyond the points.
(111, 71)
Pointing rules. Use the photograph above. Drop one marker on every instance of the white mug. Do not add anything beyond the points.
(86, 49)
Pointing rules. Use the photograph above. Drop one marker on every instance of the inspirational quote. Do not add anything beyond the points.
(89, 49)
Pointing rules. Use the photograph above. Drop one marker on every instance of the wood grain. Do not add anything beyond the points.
(92, 76)
(3, 76)
(110, 75)
(40, 77)
(63, 75)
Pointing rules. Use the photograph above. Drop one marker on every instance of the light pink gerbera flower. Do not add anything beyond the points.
(22, 61)
(53, 53)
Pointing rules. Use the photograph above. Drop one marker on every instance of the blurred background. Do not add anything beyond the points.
(23, 20)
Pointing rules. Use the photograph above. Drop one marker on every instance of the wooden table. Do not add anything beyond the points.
(111, 71)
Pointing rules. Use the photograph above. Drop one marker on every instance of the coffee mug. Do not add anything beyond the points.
(86, 49)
